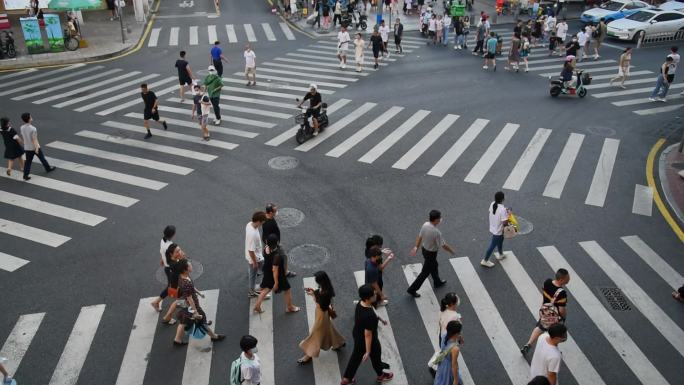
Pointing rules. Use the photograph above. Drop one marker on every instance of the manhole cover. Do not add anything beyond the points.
(197, 270)
(289, 217)
(309, 256)
(524, 226)
(614, 297)
(283, 162)
(603, 131)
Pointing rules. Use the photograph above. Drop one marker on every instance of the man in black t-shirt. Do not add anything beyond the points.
(553, 292)
(315, 103)
(184, 74)
(376, 44)
(151, 109)
(271, 227)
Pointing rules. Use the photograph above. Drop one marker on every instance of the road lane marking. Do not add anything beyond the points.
(478, 172)
(136, 101)
(290, 133)
(524, 165)
(198, 357)
(391, 139)
(211, 33)
(10, 263)
(458, 148)
(104, 91)
(425, 142)
(337, 126)
(363, 133)
(281, 86)
(154, 37)
(351, 74)
(287, 31)
(230, 31)
(633, 91)
(66, 85)
(326, 365)
(54, 79)
(309, 76)
(18, 73)
(261, 327)
(643, 200)
(139, 347)
(559, 176)
(250, 32)
(261, 102)
(121, 95)
(194, 35)
(43, 74)
(19, 340)
(91, 86)
(654, 261)
(227, 118)
(294, 80)
(33, 234)
(173, 36)
(604, 169)
(196, 139)
(108, 174)
(47, 208)
(268, 31)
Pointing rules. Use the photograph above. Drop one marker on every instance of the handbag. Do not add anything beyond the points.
(548, 312)
(172, 292)
(510, 231)
(439, 356)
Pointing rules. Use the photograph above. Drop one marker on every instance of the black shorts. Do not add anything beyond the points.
(431, 33)
(314, 112)
(184, 81)
(151, 115)
(490, 55)
(397, 40)
(376, 53)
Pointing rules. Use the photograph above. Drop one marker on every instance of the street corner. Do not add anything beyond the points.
(670, 174)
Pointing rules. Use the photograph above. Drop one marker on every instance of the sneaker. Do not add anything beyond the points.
(344, 65)
(164, 124)
(652, 99)
(217, 122)
(487, 263)
(661, 100)
(500, 256)
(413, 294)
(485, 67)
(385, 376)
(252, 294)
(384, 302)
(149, 135)
(315, 133)
(525, 349)
(494, 68)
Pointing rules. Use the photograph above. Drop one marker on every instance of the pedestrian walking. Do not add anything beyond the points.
(466, 31)
(193, 315)
(166, 241)
(547, 357)
(430, 240)
(359, 46)
(174, 254)
(432, 29)
(398, 34)
(184, 75)
(498, 218)
(514, 54)
(572, 48)
(582, 39)
(679, 294)
(376, 45)
(408, 4)
(323, 335)
(447, 359)
(384, 34)
(202, 107)
(253, 250)
(275, 276)
(458, 30)
(250, 65)
(561, 34)
(337, 13)
(490, 56)
(214, 83)
(554, 300)
(623, 67)
(216, 58)
(29, 135)
(343, 40)
(553, 43)
(598, 34)
(674, 54)
(372, 269)
(366, 342)
(446, 20)
(539, 380)
(151, 110)
(246, 370)
(13, 145)
(326, 16)
(448, 307)
(439, 29)
(525, 53)
(377, 241)
(270, 226)
(662, 82)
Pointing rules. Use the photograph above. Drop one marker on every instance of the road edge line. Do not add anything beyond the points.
(656, 194)
(291, 24)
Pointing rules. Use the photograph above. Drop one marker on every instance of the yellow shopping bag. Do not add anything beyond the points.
(513, 220)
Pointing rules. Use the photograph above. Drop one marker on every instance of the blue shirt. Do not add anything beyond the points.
(372, 272)
(216, 53)
(491, 45)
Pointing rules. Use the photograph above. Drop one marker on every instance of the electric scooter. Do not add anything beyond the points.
(306, 130)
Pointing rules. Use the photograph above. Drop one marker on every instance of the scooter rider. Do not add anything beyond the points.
(315, 103)
(568, 73)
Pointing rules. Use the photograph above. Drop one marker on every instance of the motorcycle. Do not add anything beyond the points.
(362, 22)
(306, 130)
(558, 86)
(7, 48)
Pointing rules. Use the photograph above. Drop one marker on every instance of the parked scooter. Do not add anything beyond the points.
(7, 48)
(306, 130)
(558, 86)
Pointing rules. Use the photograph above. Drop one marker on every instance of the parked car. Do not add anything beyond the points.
(674, 5)
(612, 10)
(650, 21)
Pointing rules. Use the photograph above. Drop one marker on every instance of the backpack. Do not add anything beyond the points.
(236, 372)
(595, 33)
(548, 312)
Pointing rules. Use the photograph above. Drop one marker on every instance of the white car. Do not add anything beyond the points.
(650, 21)
(612, 10)
(674, 5)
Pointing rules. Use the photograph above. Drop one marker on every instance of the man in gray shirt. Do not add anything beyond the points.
(29, 134)
(431, 240)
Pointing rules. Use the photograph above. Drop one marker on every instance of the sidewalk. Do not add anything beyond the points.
(102, 35)
(671, 175)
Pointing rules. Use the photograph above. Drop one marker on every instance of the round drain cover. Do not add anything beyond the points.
(283, 162)
(309, 256)
(289, 217)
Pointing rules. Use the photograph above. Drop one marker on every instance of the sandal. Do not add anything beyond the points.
(176, 343)
(304, 361)
(258, 311)
(172, 321)
(219, 337)
(296, 309)
(676, 296)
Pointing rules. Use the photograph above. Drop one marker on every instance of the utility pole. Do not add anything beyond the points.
(120, 10)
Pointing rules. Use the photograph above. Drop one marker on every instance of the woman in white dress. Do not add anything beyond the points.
(623, 67)
(358, 52)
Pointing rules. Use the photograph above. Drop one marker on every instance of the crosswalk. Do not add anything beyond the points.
(208, 34)
(639, 85)
(596, 330)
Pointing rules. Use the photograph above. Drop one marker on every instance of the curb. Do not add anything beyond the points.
(95, 59)
(291, 24)
(656, 195)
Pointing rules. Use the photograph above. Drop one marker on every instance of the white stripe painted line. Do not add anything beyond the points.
(174, 135)
(648, 308)
(290, 133)
(173, 36)
(76, 350)
(643, 200)
(428, 308)
(425, 142)
(625, 347)
(139, 347)
(147, 145)
(332, 46)
(631, 75)
(121, 158)
(309, 76)
(18, 73)
(38, 85)
(458, 148)
(279, 86)
(261, 92)
(47, 208)
(136, 101)
(250, 32)
(19, 340)
(608, 85)
(268, 31)
(294, 80)
(66, 85)
(326, 366)
(604, 169)
(10, 263)
(337, 126)
(198, 357)
(194, 35)
(104, 91)
(212, 129)
(124, 94)
(579, 66)
(593, 71)
(646, 100)
(391, 139)
(261, 327)
(559, 176)
(333, 61)
(247, 110)
(330, 56)
(230, 31)
(42, 74)
(211, 33)
(63, 95)
(478, 172)
(108, 174)
(351, 74)
(390, 350)
(500, 337)
(227, 118)
(654, 261)
(632, 91)
(524, 165)
(286, 30)
(578, 363)
(74, 189)
(154, 37)
(363, 133)
(261, 102)
(659, 110)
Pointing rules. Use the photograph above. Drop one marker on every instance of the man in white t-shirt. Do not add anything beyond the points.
(250, 364)
(547, 358)
(384, 34)
(250, 65)
(498, 218)
(342, 46)
(253, 250)
(562, 32)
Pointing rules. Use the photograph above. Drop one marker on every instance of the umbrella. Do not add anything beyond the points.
(74, 4)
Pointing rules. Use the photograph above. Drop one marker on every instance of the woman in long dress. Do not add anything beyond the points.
(13, 145)
(623, 67)
(359, 44)
(447, 370)
(324, 335)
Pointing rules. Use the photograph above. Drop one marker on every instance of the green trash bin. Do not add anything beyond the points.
(457, 10)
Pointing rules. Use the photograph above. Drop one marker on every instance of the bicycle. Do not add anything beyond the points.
(71, 42)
